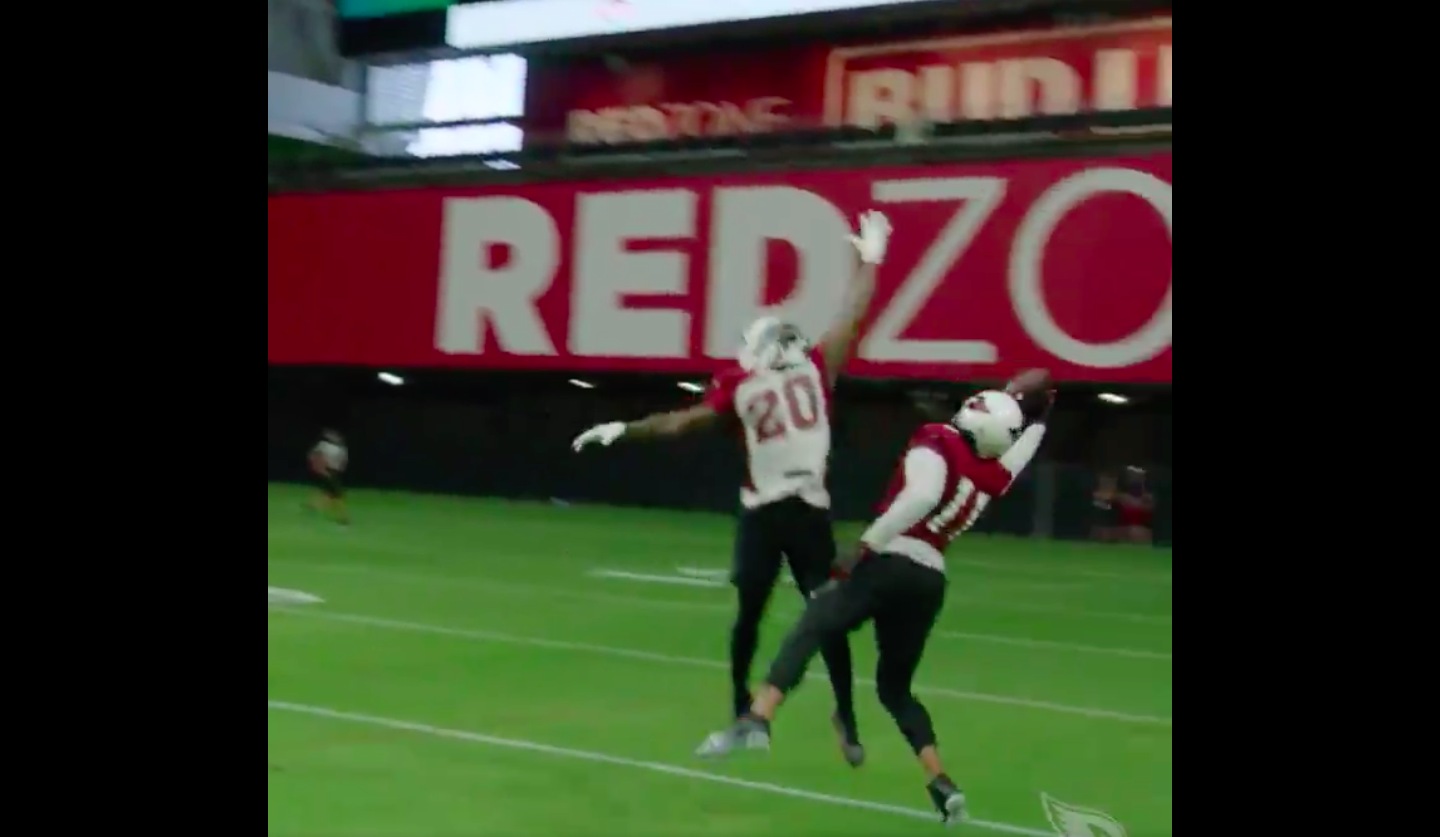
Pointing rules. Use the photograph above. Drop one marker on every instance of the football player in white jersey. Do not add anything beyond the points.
(779, 392)
(896, 578)
(328, 460)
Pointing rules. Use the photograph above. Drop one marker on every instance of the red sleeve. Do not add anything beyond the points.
(720, 397)
(988, 474)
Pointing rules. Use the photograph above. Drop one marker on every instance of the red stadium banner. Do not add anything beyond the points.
(1002, 75)
(992, 268)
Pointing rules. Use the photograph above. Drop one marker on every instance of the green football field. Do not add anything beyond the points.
(480, 667)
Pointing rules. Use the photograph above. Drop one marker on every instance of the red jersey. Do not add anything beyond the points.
(1136, 509)
(970, 483)
(784, 415)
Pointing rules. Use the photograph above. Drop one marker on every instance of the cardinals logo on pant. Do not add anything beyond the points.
(1074, 821)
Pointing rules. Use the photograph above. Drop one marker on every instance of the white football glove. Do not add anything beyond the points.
(873, 236)
(602, 434)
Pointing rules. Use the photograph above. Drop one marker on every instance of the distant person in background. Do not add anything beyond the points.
(328, 459)
(1137, 507)
(1105, 522)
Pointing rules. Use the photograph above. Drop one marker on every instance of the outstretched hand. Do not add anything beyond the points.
(602, 434)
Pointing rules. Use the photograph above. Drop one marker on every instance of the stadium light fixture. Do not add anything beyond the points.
(691, 387)
(581, 384)
(1112, 398)
(501, 23)
(391, 379)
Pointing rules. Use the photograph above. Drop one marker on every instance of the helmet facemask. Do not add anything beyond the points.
(772, 343)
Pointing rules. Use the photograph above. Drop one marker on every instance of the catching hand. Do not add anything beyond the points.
(1047, 404)
(873, 236)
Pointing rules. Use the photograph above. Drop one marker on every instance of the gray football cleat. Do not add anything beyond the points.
(744, 734)
(850, 746)
(949, 800)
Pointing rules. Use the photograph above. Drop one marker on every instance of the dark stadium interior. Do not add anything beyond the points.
(507, 434)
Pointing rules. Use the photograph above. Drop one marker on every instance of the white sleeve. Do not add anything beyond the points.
(1019, 455)
(924, 485)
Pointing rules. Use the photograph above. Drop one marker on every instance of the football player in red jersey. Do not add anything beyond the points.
(949, 475)
(1136, 507)
(779, 392)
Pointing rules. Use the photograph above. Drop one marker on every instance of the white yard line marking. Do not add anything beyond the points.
(670, 659)
(487, 584)
(698, 605)
(1050, 568)
(1025, 642)
(1069, 612)
(1050, 584)
(279, 595)
(495, 584)
(680, 580)
(1062, 571)
(651, 766)
(717, 573)
(693, 577)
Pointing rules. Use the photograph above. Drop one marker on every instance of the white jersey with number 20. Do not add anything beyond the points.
(785, 416)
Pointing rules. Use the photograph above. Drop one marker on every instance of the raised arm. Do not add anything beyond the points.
(1019, 455)
(869, 243)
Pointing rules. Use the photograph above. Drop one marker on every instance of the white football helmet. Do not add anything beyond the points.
(772, 343)
(993, 421)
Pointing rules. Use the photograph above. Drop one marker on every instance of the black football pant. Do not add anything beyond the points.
(331, 486)
(904, 599)
(794, 532)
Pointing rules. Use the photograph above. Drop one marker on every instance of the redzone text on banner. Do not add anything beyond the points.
(1061, 264)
